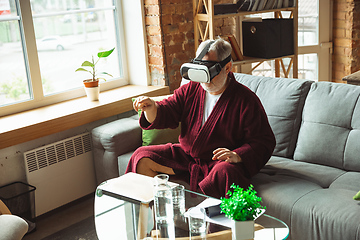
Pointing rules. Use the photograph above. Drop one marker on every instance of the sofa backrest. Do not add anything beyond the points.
(330, 129)
(283, 100)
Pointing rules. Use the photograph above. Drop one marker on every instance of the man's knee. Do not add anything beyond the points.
(223, 168)
(148, 167)
(144, 166)
(217, 183)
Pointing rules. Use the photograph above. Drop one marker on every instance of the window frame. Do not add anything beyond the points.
(131, 75)
(323, 48)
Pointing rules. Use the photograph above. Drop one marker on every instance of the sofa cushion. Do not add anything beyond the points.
(280, 192)
(349, 181)
(308, 196)
(321, 175)
(159, 136)
(330, 130)
(326, 214)
(283, 101)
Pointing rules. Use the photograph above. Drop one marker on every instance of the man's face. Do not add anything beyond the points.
(219, 83)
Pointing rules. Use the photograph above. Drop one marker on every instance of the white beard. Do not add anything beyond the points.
(211, 87)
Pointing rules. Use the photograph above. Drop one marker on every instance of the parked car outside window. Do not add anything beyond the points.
(51, 43)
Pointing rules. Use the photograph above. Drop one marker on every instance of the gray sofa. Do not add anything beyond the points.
(314, 172)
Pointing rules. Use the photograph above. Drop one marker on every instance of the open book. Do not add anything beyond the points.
(131, 187)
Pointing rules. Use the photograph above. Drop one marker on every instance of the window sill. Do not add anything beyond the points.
(40, 122)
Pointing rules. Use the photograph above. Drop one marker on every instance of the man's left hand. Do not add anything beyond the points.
(226, 155)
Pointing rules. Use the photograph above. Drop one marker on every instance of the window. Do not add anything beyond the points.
(13, 81)
(43, 42)
(308, 23)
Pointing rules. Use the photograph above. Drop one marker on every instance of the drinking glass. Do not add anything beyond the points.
(178, 195)
(197, 222)
(163, 199)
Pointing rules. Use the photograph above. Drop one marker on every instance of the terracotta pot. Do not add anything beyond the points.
(242, 230)
(90, 83)
(92, 89)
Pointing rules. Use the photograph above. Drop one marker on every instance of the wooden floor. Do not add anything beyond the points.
(62, 217)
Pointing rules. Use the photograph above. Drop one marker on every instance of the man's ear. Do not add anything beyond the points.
(228, 67)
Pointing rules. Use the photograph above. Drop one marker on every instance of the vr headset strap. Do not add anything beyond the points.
(204, 51)
(214, 70)
(225, 61)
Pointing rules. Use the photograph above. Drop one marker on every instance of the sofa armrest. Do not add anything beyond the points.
(112, 140)
(123, 161)
(12, 227)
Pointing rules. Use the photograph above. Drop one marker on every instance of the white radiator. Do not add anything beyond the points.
(61, 172)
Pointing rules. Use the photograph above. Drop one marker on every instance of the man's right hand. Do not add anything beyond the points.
(148, 106)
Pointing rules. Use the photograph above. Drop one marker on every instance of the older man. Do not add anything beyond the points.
(225, 135)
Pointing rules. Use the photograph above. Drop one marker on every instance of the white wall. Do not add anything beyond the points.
(12, 165)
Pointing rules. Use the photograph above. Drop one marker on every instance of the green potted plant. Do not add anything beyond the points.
(92, 85)
(242, 206)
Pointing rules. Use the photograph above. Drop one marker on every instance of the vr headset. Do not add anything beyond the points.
(200, 70)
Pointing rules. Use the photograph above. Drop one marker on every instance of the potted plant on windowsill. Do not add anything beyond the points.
(242, 207)
(92, 85)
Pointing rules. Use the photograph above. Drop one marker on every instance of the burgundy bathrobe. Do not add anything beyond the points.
(238, 122)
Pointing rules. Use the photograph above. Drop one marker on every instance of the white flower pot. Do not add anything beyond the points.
(92, 93)
(242, 230)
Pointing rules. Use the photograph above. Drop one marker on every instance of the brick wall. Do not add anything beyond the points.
(346, 37)
(178, 33)
(155, 42)
(170, 36)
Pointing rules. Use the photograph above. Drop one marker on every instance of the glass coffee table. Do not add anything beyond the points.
(118, 217)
